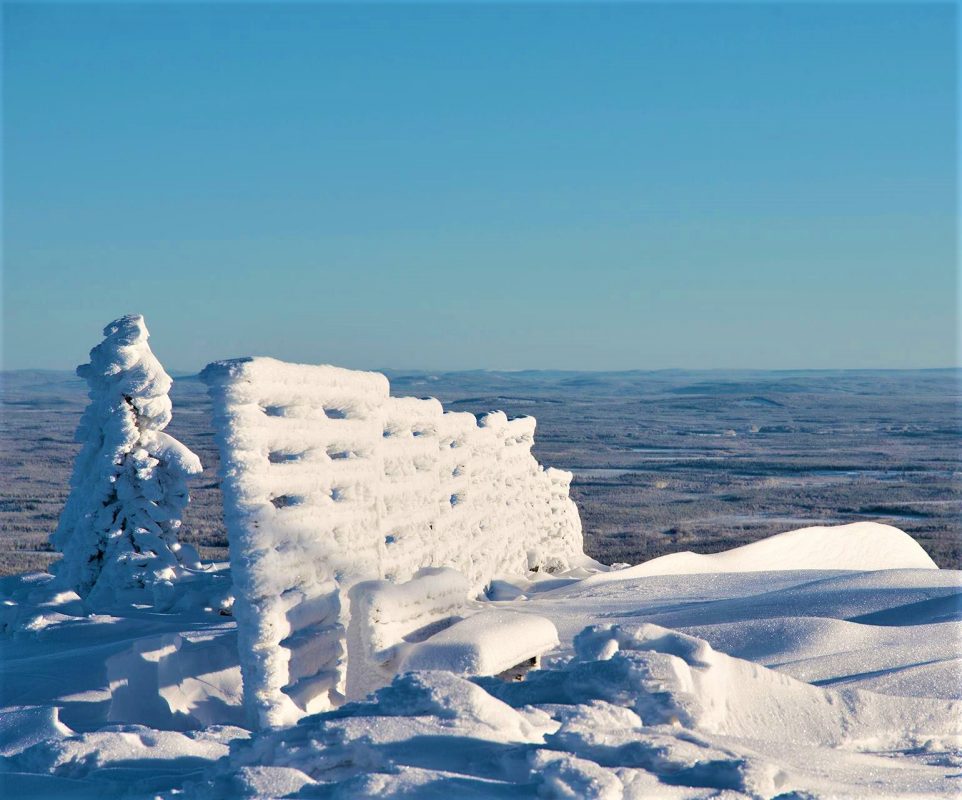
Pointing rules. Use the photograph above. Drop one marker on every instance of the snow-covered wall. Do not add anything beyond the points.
(328, 480)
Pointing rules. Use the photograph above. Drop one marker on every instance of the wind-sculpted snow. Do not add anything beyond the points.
(739, 685)
(118, 529)
(856, 546)
(639, 711)
(327, 481)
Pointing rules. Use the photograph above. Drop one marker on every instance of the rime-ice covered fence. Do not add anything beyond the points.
(328, 481)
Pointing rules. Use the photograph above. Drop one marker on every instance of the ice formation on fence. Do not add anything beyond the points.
(118, 529)
(328, 481)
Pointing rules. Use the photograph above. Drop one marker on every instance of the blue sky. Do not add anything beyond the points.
(502, 186)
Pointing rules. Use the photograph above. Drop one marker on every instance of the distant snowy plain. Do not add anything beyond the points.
(773, 670)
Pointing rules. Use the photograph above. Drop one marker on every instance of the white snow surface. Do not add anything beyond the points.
(856, 546)
(118, 529)
(329, 481)
(760, 684)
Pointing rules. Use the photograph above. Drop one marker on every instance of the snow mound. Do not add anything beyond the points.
(172, 682)
(625, 708)
(118, 749)
(329, 481)
(667, 676)
(860, 546)
(639, 711)
(25, 726)
(923, 660)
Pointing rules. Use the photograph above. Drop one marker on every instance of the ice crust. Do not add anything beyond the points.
(328, 481)
(118, 529)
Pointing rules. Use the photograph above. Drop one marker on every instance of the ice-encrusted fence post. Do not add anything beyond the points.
(118, 529)
(301, 469)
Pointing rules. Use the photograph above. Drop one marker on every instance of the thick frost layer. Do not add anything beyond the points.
(386, 618)
(118, 529)
(429, 623)
(329, 481)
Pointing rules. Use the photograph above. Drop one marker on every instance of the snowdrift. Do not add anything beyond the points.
(856, 546)
(640, 711)
(823, 662)
(754, 684)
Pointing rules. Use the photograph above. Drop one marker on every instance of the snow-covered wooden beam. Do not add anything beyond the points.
(328, 480)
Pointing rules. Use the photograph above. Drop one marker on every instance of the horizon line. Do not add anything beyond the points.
(497, 370)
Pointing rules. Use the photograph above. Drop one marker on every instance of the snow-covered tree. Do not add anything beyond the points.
(118, 529)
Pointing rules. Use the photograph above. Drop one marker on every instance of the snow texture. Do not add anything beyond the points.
(173, 682)
(386, 618)
(757, 684)
(639, 711)
(329, 481)
(118, 530)
(430, 623)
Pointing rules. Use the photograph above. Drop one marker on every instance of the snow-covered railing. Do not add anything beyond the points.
(328, 481)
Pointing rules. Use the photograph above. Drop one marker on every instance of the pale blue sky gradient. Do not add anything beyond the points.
(502, 186)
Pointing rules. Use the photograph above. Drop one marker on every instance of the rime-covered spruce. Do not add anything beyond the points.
(118, 529)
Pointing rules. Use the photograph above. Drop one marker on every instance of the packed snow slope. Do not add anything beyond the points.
(753, 680)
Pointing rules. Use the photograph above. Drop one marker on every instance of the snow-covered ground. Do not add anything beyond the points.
(736, 675)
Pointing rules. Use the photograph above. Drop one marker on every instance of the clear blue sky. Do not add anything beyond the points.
(501, 186)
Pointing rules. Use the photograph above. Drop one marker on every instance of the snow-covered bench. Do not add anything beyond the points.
(329, 481)
(493, 642)
(430, 622)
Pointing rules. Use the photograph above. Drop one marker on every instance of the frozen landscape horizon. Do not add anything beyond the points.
(663, 460)
(496, 659)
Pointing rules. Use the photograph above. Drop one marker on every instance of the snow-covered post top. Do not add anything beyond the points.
(118, 528)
